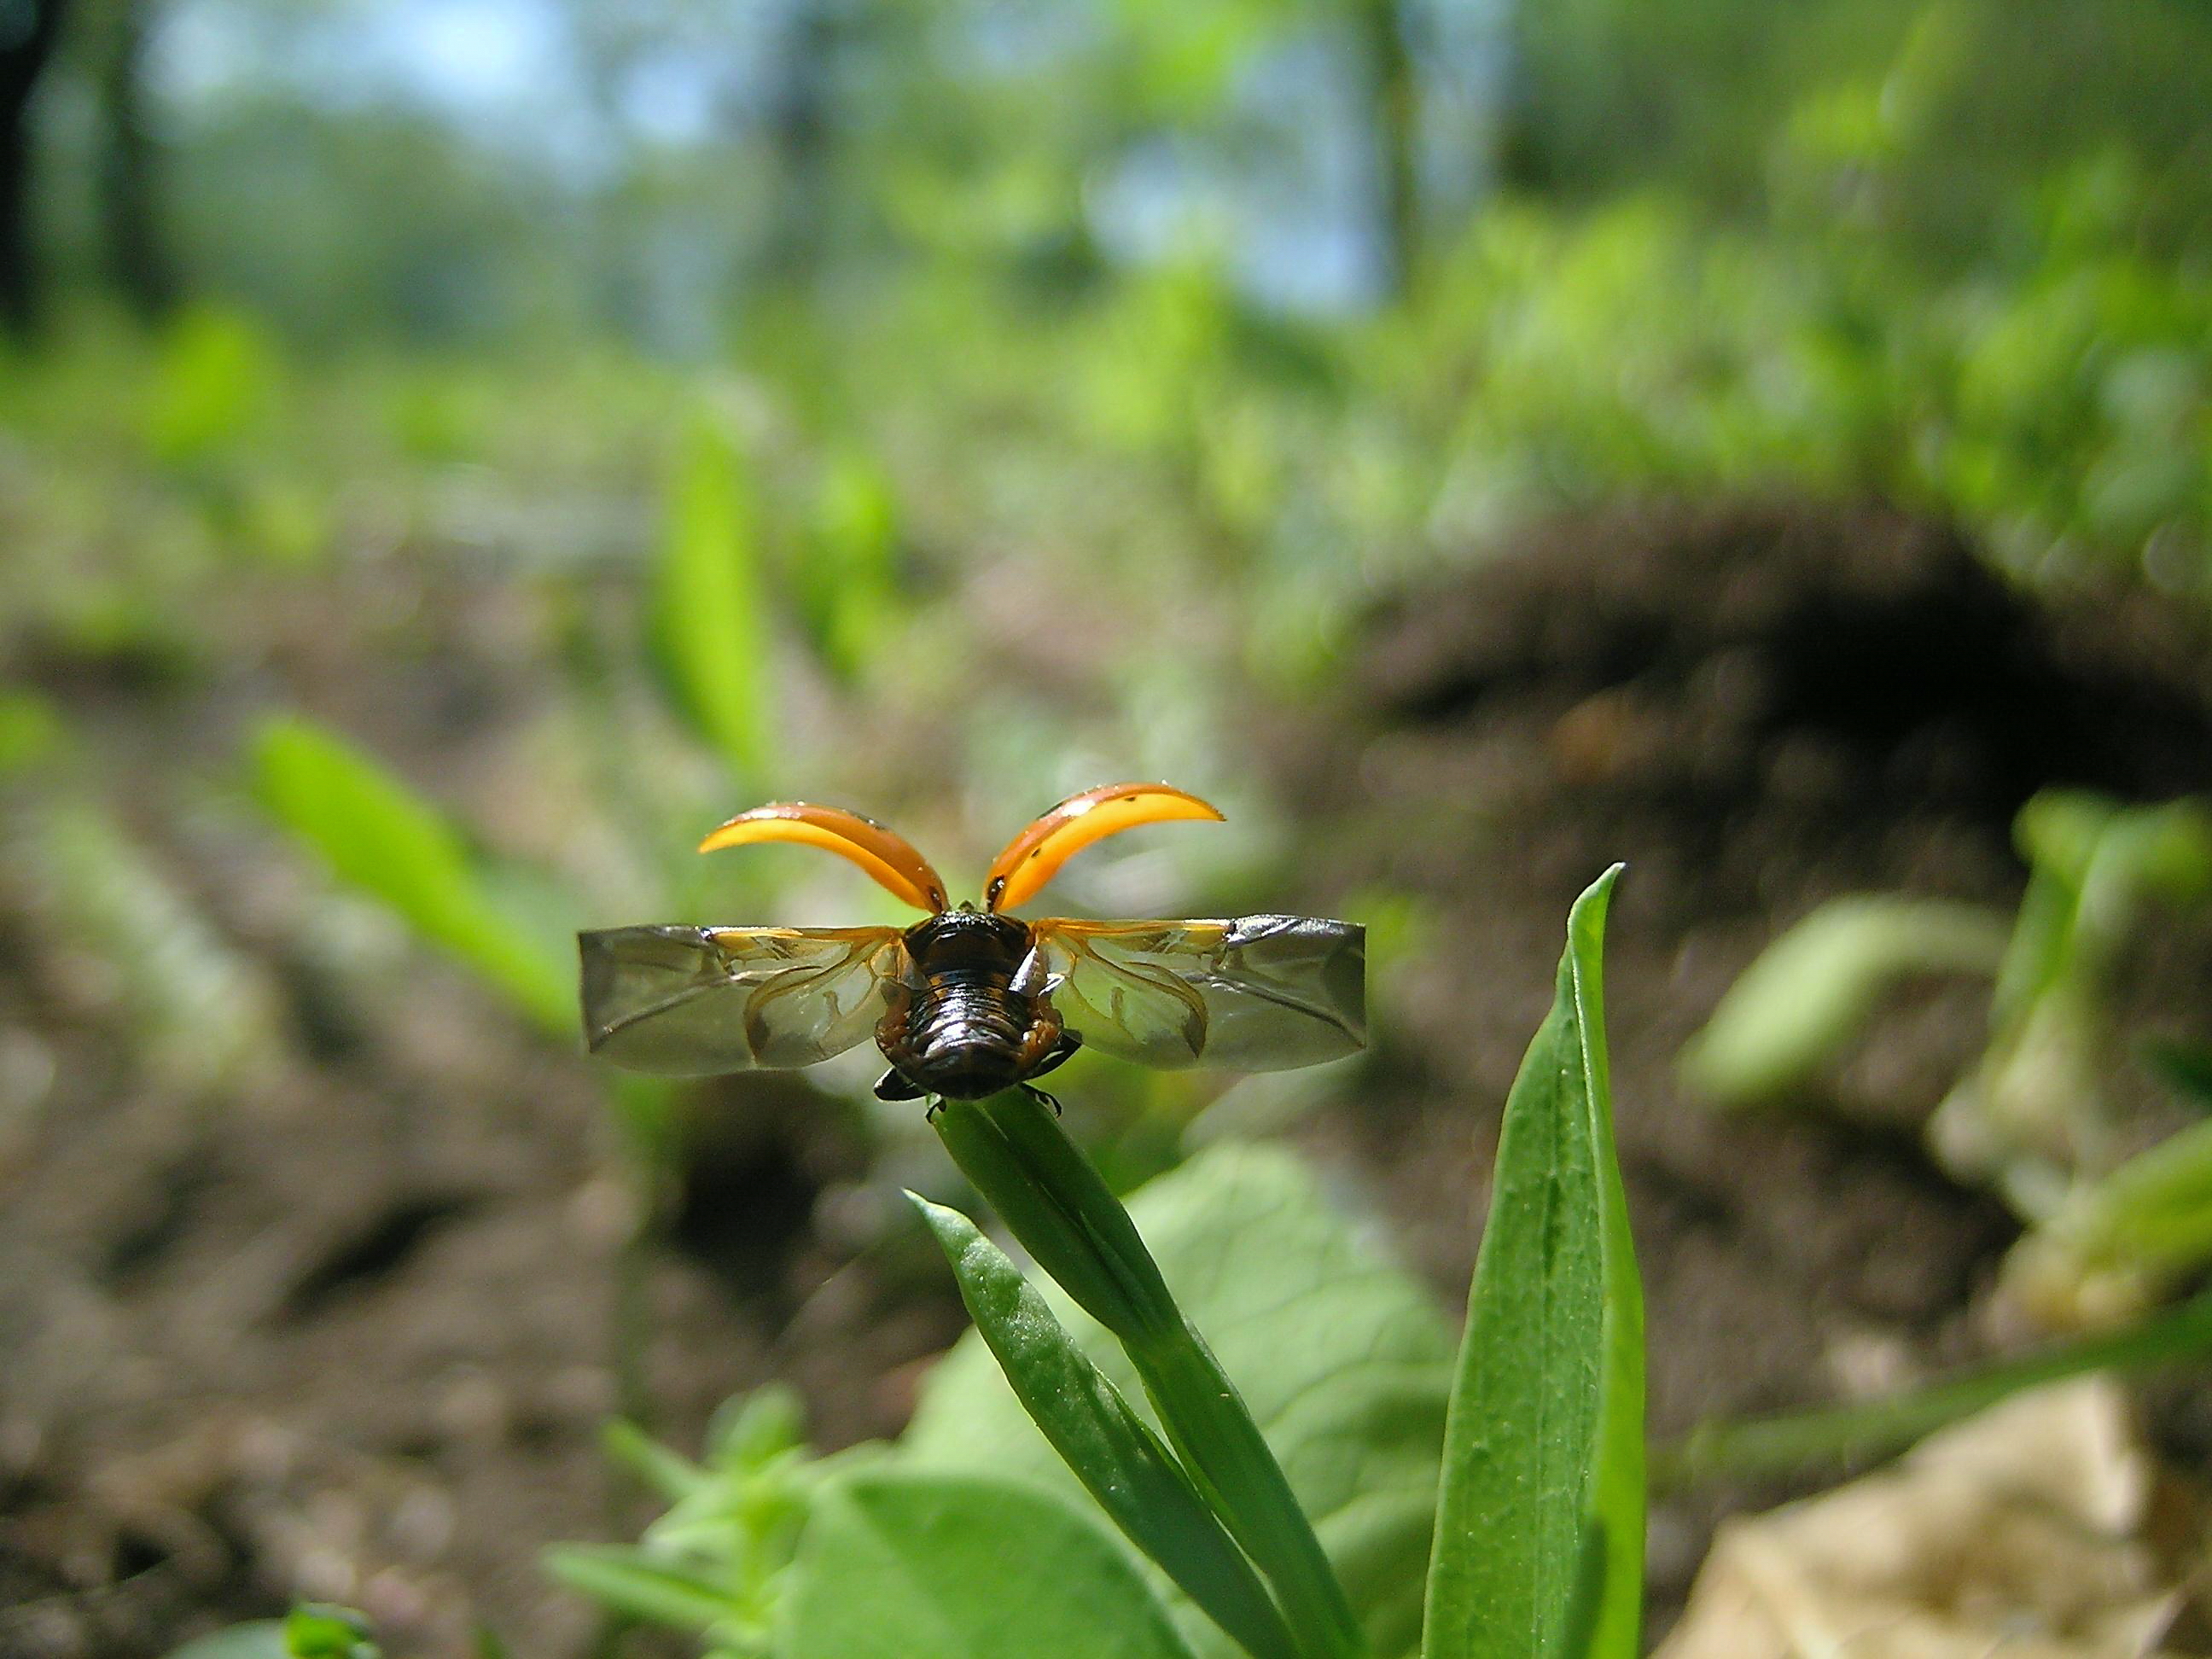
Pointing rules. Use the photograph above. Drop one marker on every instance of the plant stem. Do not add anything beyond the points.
(1850, 1434)
(1056, 1203)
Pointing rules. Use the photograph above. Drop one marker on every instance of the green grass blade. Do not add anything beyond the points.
(1849, 1435)
(1341, 1356)
(709, 622)
(845, 580)
(1061, 1208)
(1544, 1444)
(1134, 1479)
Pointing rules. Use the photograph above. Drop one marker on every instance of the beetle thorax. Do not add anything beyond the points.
(967, 940)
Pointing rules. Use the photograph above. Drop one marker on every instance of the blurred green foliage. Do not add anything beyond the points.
(2047, 1113)
(709, 629)
(881, 435)
(313, 1631)
(718, 1562)
(1916, 247)
(1810, 995)
(377, 835)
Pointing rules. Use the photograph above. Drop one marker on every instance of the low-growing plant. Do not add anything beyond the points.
(1278, 1483)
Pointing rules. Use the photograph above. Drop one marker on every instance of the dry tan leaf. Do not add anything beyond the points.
(2015, 1533)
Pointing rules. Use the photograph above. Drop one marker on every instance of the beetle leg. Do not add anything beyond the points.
(893, 1086)
(1039, 1042)
(1069, 1043)
(1041, 1097)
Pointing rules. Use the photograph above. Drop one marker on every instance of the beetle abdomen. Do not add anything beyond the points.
(963, 1036)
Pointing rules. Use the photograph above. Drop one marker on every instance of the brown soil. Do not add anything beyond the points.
(342, 1318)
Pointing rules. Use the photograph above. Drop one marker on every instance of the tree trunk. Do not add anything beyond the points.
(138, 261)
(804, 125)
(1397, 137)
(25, 52)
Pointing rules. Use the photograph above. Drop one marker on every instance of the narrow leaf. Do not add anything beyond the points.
(1841, 1436)
(667, 1473)
(1119, 1459)
(376, 834)
(1544, 1443)
(1340, 1354)
(898, 1566)
(709, 627)
(1062, 1209)
(627, 1581)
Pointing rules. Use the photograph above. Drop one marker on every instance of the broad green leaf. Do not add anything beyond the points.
(912, 1566)
(1545, 1439)
(710, 629)
(1813, 991)
(1341, 1356)
(1120, 1460)
(378, 835)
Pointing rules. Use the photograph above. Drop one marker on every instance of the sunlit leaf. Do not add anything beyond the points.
(1544, 1456)
(30, 730)
(845, 581)
(710, 631)
(215, 383)
(378, 835)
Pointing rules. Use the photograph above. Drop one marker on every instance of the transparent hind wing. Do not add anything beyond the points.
(1253, 993)
(693, 1001)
